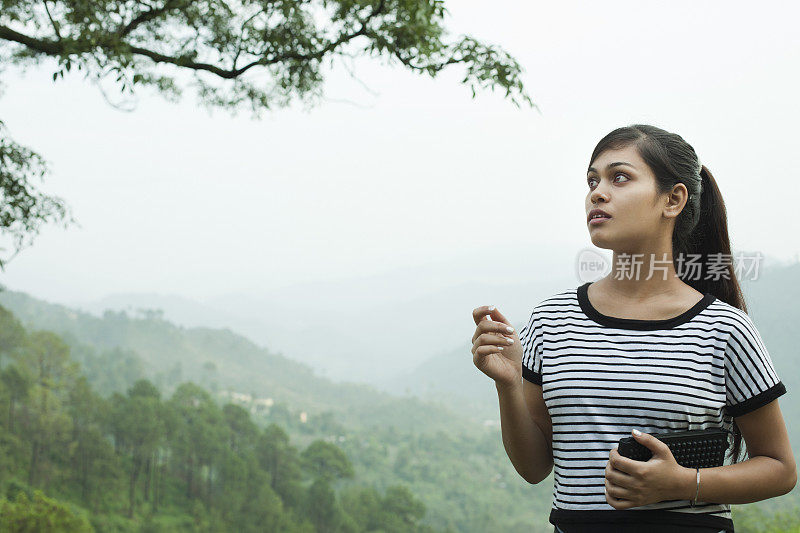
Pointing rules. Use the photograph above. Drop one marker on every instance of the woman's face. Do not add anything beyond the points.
(641, 218)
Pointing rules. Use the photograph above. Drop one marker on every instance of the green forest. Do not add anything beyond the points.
(131, 423)
(142, 462)
(112, 424)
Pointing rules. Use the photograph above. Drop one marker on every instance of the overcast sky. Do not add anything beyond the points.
(409, 170)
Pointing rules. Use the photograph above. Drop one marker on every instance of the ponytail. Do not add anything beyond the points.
(710, 236)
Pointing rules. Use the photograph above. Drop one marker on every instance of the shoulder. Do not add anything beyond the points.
(736, 320)
(742, 336)
(553, 307)
(731, 315)
(556, 301)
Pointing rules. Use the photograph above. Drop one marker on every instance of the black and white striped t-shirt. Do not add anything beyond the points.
(602, 376)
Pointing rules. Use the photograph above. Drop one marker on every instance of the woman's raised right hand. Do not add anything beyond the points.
(492, 352)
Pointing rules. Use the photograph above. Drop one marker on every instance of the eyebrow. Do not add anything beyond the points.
(610, 165)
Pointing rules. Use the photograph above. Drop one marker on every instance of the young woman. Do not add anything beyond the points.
(662, 343)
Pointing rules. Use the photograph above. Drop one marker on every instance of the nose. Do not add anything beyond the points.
(598, 193)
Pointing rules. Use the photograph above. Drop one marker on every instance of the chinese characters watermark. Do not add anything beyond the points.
(591, 264)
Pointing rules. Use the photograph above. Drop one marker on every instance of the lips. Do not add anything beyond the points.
(594, 212)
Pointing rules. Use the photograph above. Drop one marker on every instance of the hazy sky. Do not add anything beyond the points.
(410, 170)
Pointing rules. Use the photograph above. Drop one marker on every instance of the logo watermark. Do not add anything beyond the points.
(591, 265)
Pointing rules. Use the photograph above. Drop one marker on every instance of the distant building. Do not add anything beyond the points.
(254, 405)
(237, 397)
(262, 405)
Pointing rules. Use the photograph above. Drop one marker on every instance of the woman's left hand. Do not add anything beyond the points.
(630, 483)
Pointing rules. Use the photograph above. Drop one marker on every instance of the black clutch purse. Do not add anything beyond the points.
(696, 448)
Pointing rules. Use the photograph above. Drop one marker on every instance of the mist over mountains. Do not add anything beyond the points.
(402, 334)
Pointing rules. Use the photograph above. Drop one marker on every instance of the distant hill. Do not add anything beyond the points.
(169, 352)
(338, 326)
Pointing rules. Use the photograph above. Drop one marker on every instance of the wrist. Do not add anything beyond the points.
(687, 483)
(508, 386)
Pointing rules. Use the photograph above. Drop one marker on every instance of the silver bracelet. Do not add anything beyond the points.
(697, 491)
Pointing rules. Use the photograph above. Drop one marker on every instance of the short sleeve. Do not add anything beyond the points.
(750, 378)
(531, 339)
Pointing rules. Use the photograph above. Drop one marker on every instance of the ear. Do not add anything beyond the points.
(676, 200)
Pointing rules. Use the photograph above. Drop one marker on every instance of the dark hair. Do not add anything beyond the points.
(702, 226)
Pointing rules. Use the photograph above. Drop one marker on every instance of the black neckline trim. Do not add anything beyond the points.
(636, 323)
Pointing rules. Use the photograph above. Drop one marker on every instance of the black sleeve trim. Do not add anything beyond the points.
(530, 375)
(759, 400)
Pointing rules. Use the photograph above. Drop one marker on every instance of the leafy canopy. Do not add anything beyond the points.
(261, 54)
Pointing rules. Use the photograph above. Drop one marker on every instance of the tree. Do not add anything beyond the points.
(403, 508)
(397, 511)
(14, 387)
(322, 507)
(364, 505)
(218, 40)
(42, 514)
(16, 384)
(12, 334)
(199, 437)
(140, 430)
(243, 432)
(95, 469)
(46, 359)
(282, 462)
(23, 209)
(326, 460)
(262, 54)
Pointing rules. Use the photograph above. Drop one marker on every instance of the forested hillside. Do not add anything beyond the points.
(117, 346)
(142, 462)
(130, 423)
(163, 457)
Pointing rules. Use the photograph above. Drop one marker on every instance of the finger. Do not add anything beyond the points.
(492, 332)
(486, 349)
(618, 478)
(496, 339)
(501, 329)
(618, 492)
(480, 315)
(489, 312)
(499, 317)
(623, 464)
(482, 312)
(650, 442)
(613, 498)
(616, 503)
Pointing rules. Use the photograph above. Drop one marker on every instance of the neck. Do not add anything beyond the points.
(643, 275)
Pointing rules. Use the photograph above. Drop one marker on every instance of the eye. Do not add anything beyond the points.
(590, 180)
